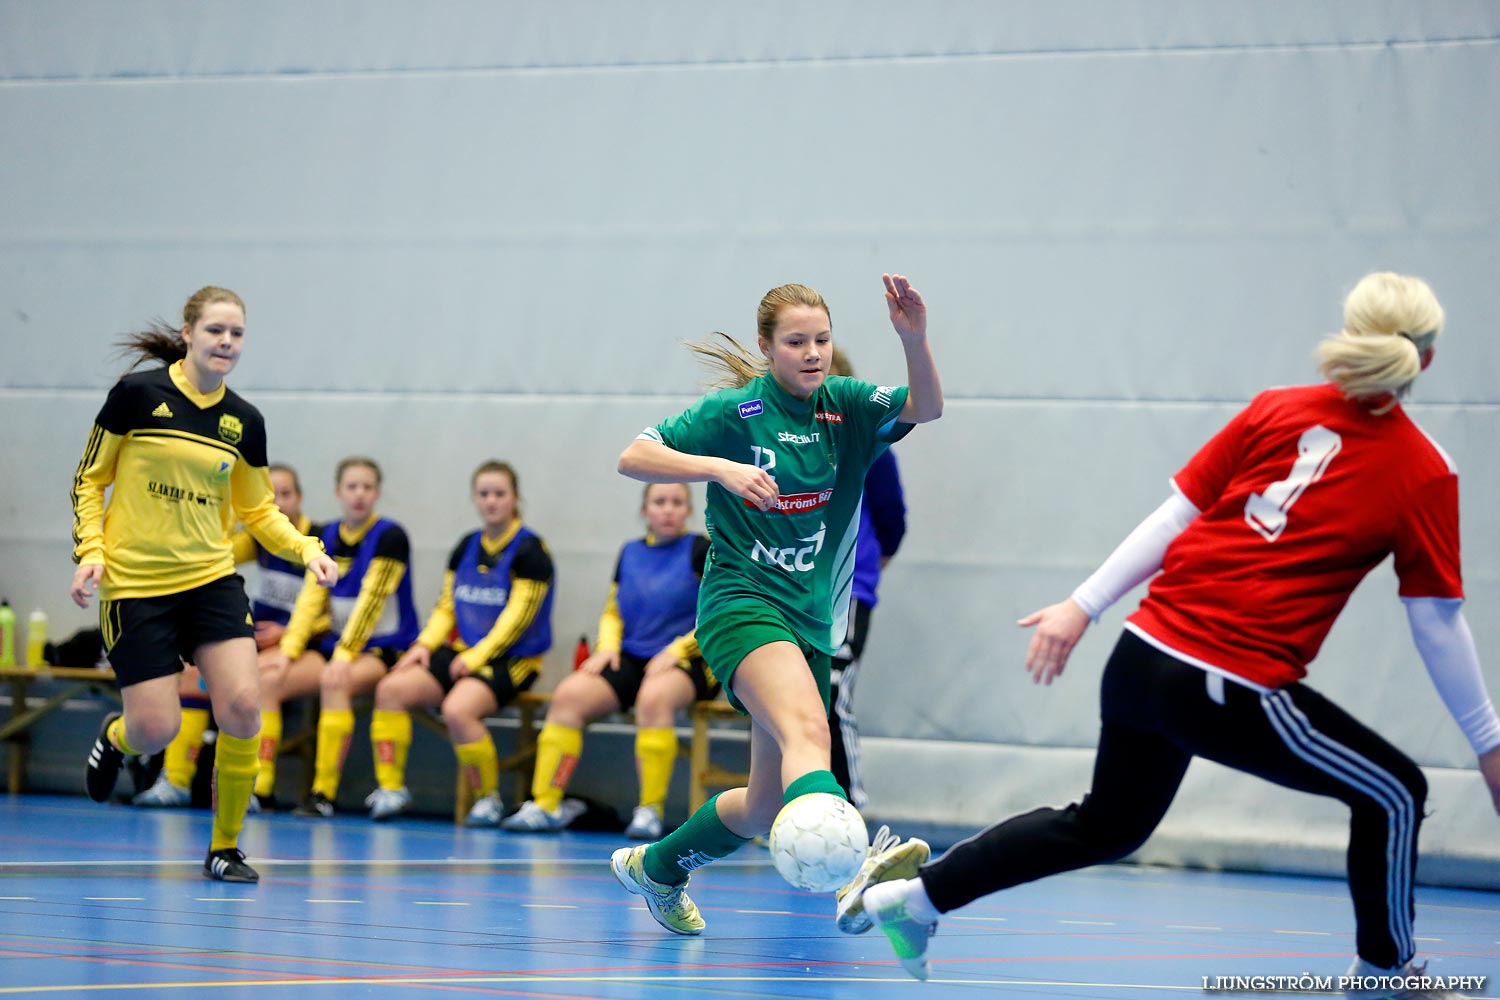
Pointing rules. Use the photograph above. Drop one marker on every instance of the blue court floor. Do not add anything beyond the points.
(98, 899)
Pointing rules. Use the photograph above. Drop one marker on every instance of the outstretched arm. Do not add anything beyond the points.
(1137, 558)
(924, 399)
(1447, 649)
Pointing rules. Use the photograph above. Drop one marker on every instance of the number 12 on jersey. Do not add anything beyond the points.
(1267, 512)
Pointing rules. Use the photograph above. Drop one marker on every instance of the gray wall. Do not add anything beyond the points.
(468, 230)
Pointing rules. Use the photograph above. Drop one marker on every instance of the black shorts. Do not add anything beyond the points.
(149, 637)
(507, 676)
(627, 680)
(325, 644)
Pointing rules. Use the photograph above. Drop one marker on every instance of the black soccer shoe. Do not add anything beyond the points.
(317, 806)
(228, 865)
(105, 761)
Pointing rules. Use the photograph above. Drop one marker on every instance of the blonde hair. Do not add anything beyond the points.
(1390, 321)
(729, 364)
(840, 364)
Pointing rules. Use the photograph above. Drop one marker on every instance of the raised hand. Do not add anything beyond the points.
(904, 303)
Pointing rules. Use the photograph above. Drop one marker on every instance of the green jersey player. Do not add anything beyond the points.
(784, 449)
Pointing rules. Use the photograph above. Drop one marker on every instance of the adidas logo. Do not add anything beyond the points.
(161, 410)
(220, 866)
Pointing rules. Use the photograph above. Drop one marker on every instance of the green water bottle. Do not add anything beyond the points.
(36, 640)
(7, 635)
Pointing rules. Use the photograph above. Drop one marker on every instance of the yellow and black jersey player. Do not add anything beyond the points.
(183, 458)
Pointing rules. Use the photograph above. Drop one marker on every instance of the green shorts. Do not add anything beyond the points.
(735, 631)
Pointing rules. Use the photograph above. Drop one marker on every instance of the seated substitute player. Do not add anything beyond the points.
(277, 584)
(182, 457)
(497, 594)
(372, 618)
(646, 657)
(1271, 526)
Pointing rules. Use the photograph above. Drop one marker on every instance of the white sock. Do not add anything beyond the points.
(910, 891)
(1362, 968)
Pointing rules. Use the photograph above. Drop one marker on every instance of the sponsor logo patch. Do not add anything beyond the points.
(882, 395)
(797, 503)
(829, 417)
(787, 437)
(752, 408)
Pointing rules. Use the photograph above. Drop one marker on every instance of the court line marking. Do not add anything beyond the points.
(1001, 920)
(19, 899)
(771, 913)
(1089, 923)
(437, 902)
(225, 899)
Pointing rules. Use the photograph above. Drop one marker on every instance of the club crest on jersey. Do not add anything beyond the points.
(882, 395)
(751, 408)
(230, 428)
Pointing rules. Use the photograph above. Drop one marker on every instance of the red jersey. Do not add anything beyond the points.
(1302, 493)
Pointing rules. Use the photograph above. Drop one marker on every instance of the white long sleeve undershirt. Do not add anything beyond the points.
(1137, 558)
(1446, 645)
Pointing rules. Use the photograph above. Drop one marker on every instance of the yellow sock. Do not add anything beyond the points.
(390, 736)
(270, 745)
(557, 751)
(481, 766)
(335, 727)
(235, 766)
(182, 753)
(655, 756)
(116, 734)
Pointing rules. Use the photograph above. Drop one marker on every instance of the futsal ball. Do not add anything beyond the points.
(818, 842)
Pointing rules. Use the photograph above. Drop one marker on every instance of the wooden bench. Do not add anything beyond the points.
(23, 715)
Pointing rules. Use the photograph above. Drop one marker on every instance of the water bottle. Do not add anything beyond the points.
(7, 635)
(36, 639)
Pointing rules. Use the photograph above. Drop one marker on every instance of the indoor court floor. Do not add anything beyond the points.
(96, 900)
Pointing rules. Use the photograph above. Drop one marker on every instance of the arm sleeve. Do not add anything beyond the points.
(1447, 649)
(611, 625)
(1427, 559)
(96, 470)
(1208, 472)
(887, 503)
(243, 545)
(693, 431)
(685, 647)
(310, 609)
(382, 577)
(440, 623)
(255, 505)
(1137, 558)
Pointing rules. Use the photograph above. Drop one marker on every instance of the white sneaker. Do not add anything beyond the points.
(164, 794)
(886, 905)
(1411, 970)
(532, 818)
(486, 811)
(387, 802)
(645, 824)
(888, 859)
(669, 904)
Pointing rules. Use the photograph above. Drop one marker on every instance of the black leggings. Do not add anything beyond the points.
(1159, 713)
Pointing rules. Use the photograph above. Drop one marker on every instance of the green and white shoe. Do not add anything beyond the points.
(886, 905)
(669, 904)
(888, 859)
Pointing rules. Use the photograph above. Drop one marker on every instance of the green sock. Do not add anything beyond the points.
(703, 838)
(814, 781)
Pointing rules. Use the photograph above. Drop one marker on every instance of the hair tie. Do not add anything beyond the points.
(1421, 341)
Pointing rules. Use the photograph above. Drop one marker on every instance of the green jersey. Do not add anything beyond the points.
(799, 555)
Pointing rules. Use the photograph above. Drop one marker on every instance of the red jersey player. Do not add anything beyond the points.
(1270, 527)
